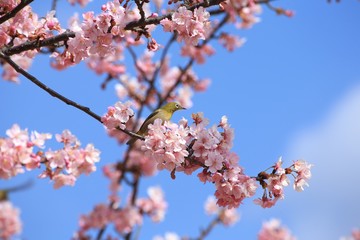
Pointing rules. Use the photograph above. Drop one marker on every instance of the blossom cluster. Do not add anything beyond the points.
(246, 10)
(189, 26)
(24, 26)
(64, 166)
(273, 230)
(169, 145)
(123, 219)
(127, 217)
(274, 183)
(186, 148)
(10, 223)
(94, 36)
(17, 152)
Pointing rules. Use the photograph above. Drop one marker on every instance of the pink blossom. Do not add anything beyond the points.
(247, 10)
(98, 218)
(272, 230)
(113, 174)
(63, 166)
(210, 206)
(302, 168)
(266, 202)
(125, 219)
(38, 139)
(204, 143)
(153, 45)
(214, 161)
(108, 64)
(17, 151)
(118, 115)
(231, 192)
(67, 138)
(142, 162)
(155, 206)
(229, 217)
(202, 85)
(190, 26)
(62, 180)
(145, 65)
(230, 42)
(165, 143)
(9, 72)
(197, 53)
(52, 23)
(184, 96)
(10, 223)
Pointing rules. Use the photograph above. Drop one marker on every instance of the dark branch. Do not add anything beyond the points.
(53, 5)
(29, 45)
(13, 12)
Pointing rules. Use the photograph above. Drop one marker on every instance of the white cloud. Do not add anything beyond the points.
(330, 207)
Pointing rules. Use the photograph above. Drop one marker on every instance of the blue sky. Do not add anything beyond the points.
(292, 90)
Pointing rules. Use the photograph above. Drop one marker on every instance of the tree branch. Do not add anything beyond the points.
(13, 12)
(30, 45)
(141, 23)
(208, 229)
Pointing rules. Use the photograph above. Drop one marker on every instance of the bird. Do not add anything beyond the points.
(164, 113)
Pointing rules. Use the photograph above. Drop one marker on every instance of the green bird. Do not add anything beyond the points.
(164, 113)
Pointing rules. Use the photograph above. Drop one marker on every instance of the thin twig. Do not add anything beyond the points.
(13, 12)
(204, 233)
(134, 57)
(163, 56)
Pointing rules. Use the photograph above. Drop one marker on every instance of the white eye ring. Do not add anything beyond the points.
(177, 105)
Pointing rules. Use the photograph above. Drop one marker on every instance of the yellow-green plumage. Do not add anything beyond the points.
(164, 113)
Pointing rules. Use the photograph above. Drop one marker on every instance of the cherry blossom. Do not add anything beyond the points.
(272, 230)
(117, 115)
(18, 152)
(155, 206)
(302, 168)
(190, 26)
(230, 42)
(10, 223)
(198, 53)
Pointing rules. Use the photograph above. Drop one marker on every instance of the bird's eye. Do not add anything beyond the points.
(177, 105)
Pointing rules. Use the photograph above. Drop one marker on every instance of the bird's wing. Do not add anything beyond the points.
(150, 119)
